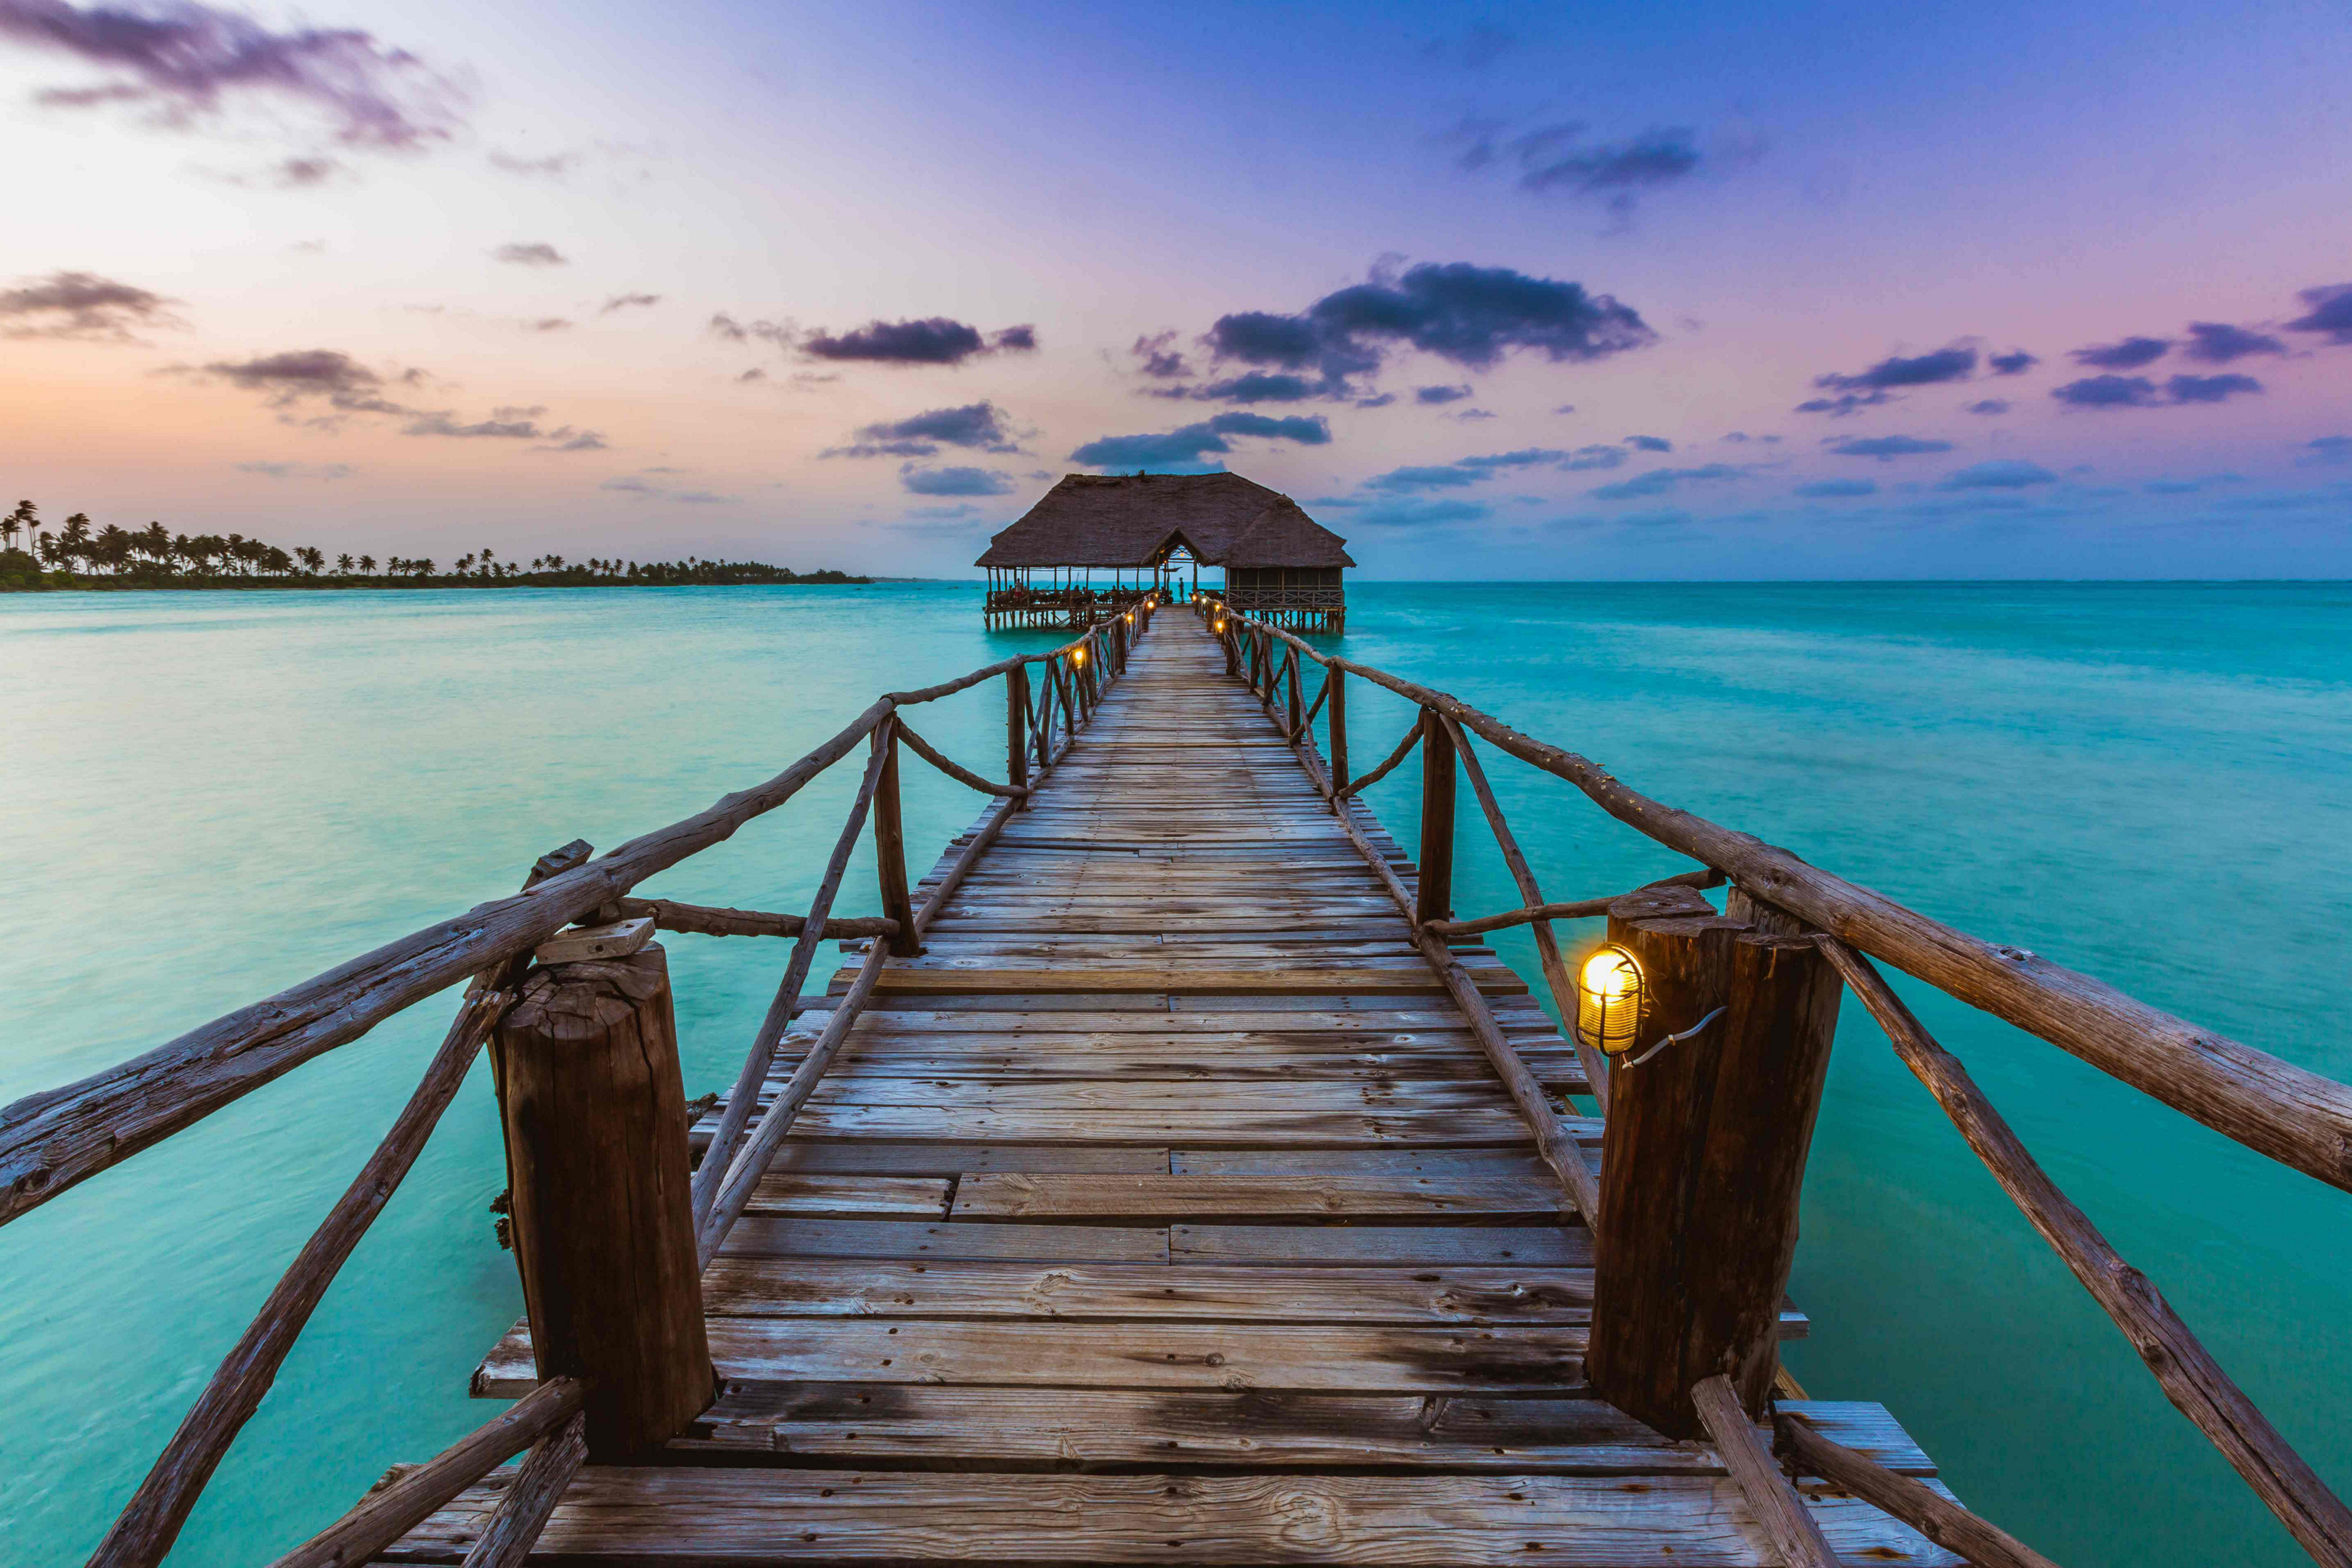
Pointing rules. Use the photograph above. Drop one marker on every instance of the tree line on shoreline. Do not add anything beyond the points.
(76, 555)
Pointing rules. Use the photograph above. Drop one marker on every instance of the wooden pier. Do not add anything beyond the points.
(1172, 1175)
(1170, 1162)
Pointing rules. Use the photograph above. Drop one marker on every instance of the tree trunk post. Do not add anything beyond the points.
(1298, 714)
(1017, 729)
(602, 1220)
(1435, 900)
(890, 848)
(1704, 1153)
(1337, 706)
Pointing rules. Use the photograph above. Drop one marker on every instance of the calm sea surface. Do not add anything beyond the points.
(205, 797)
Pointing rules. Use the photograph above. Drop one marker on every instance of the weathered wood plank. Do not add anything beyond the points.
(1404, 1296)
(746, 1517)
(1327, 1357)
(766, 1238)
(850, 1198)
(1031, 1429)
(1212, 1200)
(1561, 1247)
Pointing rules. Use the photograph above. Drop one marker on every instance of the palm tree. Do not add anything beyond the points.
(112, 549)
(24, 518)
(73, 540)
(367, 565)
(155, 543)
(555, 562)
(343, 565)
(312, 559)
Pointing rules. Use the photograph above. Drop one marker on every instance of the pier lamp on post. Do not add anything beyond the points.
(1609, 1000)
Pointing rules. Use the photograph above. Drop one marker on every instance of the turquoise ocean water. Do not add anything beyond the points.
(205, 797)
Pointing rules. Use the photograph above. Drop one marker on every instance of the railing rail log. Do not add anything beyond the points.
(143, 1532)
(2296, 1117)
(2187, 1372)
(786, 1002)
(955, 771)
(1554, 1144)
(1582, 909)
(1548, 954)
(57, 1138)
(705, 920)
(545, 1474)
(1915, 1503)
(1797, 1541)
(1404, 746)
(392, 1510)
(51, 1141)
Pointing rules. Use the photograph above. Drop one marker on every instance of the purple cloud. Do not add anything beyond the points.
(82, 307)
(2128, 354)
(187, 58)
(2219, 343)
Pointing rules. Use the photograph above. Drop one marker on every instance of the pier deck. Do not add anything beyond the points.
(1165, 1210)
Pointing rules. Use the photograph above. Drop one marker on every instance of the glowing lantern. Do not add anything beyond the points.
(1608, 1000)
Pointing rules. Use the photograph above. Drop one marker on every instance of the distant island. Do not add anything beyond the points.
(76, 555)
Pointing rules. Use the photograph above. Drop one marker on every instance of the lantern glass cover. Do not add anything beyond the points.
(1608, 1000)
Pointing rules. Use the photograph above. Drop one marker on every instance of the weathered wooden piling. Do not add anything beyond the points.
(1704, 1153)
(604, 1227)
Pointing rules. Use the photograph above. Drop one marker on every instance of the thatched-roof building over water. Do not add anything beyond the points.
(1098, 542)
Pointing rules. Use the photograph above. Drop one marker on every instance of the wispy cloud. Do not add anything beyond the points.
(83, 307)
(188, 59)
(534, 253)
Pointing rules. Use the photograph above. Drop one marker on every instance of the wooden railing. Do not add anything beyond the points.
(1782, 904)
(53, 1140)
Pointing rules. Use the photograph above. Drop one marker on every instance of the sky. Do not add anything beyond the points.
(1704, 291)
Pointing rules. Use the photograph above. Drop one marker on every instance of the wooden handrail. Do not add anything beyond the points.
(1582, 909)
(955, 771)
(786, 1002)
(704, 920)
(151, 1520)
(1915, 1503)
(1797, 1541)
(1548, 954)
(2292, 1115)
(545, 1475)
(1553, 1142)
(57, 1138)
(1403, 749)
(393, 1509)
(2186, 1371)
(143, 1532)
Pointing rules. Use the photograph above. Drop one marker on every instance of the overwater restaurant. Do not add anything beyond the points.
(1097, 543)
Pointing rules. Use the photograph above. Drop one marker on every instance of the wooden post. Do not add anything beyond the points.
(1436, 898)
(1017, 729)
(604, 1225)
(1337, 702)
(1297, 709)
(1704, 1153)
(890, 849)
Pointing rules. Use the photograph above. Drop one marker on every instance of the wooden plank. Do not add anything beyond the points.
(897, 1159)
(1328, 1357)
(765, 1237)
(1210, 1127)
(1213, 1200)
(1237, 981)
(850, 1198)
(1031, 1430)
(1407, 1297)
(1558, 1247)
(746, 1516)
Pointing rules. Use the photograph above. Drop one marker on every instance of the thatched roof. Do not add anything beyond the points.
(1128, 520)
